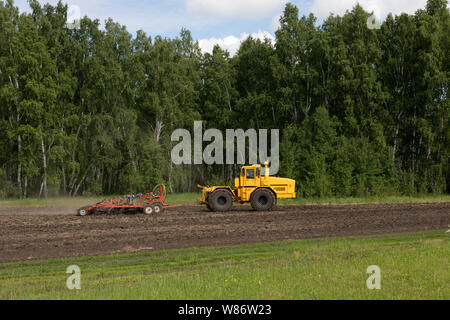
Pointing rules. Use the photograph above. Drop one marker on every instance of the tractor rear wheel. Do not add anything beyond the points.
(220, 200)
(262, 200)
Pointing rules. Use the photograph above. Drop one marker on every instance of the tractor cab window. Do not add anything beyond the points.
(258, 172)
(250, 173)
(243, 172)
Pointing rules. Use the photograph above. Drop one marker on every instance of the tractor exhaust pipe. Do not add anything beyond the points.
(266, 169)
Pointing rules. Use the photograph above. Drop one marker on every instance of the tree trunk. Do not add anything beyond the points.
(19, 166)
(228, 97)
(170, 177)
(158, 129)
(64, 181)
(44, 165)
(81, 181)
(25, 187)
(396, 135)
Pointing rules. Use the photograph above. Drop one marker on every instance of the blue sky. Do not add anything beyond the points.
(225, 22)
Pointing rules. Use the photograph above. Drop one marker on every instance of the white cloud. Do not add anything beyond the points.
(381, 8)
(235, 8)
(232, 43)
(275, 23)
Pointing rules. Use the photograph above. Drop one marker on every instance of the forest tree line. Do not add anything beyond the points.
(90, 110)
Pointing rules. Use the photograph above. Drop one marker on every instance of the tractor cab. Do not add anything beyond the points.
(250, 176)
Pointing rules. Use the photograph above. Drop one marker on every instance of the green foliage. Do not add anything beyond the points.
(6, 188)
(361, 112)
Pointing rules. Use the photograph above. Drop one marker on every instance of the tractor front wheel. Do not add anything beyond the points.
(262, 200)
(220, 200)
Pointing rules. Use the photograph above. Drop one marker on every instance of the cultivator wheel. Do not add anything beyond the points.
(148, 209)
(83, 211)
(153, 209)
(157, 208)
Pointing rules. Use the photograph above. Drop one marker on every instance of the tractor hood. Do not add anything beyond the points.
(284, 185)
(278, 181)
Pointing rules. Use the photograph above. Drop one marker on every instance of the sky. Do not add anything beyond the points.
(223, 22)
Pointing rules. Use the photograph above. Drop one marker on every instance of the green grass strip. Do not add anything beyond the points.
(413, 266)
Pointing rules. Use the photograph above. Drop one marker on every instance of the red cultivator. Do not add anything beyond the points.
(149, 203)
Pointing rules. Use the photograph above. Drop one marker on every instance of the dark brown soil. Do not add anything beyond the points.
(41, 233)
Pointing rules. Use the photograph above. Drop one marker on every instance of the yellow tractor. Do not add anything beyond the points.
(254, 186)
